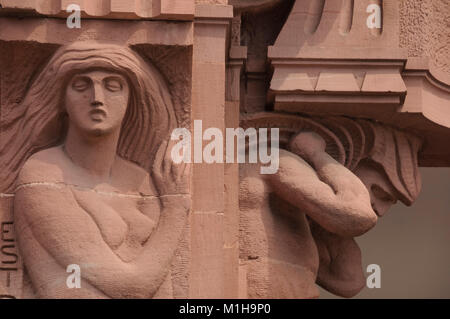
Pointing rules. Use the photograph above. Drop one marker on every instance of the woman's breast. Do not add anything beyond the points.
(118, 217)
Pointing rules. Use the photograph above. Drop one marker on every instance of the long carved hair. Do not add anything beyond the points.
(396, 152)
(392, 150)
(40, 121)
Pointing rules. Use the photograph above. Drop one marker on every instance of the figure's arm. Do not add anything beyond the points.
(340, 268)
(48, 277)
(70, 236)
(172, 183)
(322, 188)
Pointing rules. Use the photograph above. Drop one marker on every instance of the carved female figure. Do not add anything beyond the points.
(84, 195)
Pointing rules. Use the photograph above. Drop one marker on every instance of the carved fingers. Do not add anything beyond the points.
(170, 178)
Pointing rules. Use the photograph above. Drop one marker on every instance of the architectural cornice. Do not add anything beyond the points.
(105, 9)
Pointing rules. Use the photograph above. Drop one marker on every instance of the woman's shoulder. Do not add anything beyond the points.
(43, 166)
(52, 166)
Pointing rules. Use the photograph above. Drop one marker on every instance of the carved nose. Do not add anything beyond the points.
(380, 211)
(374, 208)
(98, 97)
(97, 103)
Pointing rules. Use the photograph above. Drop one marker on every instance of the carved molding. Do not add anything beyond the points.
(322, 68)
(109, 9)
(337, 86)
(135, 32)
(330, 28)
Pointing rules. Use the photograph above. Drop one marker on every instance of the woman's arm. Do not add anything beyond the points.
(48, 277)
(51, 214)
(322, 188)
(172, 183)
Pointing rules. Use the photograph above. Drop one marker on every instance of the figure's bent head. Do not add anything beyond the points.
(385, 159)
(394, 154)
(382, 194)
(388, 165)
(98, 88)
(96, 101)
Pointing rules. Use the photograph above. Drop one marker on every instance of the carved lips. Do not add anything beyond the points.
(98, 114)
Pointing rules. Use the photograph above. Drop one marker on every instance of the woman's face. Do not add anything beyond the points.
(96, 101)
(382, 194)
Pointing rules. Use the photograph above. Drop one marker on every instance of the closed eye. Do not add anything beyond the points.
(113, 84)
(80, 84)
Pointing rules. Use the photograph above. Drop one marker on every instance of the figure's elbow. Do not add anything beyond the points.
(356, 223)
(363, 223)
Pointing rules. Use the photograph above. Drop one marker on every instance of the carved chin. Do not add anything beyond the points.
(100, 129)
(98, 132)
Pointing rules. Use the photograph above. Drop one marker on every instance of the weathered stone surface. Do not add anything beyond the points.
(106, 9)
(86, 115)
(90, 201)
(424, 31)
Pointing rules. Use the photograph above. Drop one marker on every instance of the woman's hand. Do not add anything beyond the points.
(170, 178)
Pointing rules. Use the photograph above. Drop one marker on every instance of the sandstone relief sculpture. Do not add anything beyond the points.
(102, 192)
(86, 175)
(337, 176)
